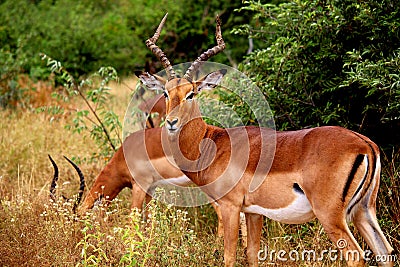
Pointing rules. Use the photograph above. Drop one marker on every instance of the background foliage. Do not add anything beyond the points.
(328, 62)
(318, 62)
(86, 35)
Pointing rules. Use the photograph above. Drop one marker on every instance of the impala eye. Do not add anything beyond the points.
(190, 96)
(165, 94)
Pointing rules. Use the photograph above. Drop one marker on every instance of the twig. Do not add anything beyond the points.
(76, 88)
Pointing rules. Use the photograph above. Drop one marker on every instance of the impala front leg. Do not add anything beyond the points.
(254, 224)
(220, 230)
(230, 220)
(138, 196)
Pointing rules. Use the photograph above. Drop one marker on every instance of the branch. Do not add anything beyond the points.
(76, 88)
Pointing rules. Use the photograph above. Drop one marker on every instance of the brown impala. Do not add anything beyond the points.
(328, 173)
(117, 174)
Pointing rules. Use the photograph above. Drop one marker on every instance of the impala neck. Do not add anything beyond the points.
(189, 152)
(190, 137)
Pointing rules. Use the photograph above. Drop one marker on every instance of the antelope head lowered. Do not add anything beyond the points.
(118, 173)
(328, 173)
(55, 179)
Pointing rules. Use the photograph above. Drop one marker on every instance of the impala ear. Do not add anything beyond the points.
(210, 81)
(152, 82)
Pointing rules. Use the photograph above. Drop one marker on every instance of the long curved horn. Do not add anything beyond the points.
(81, 186)
(209, 53)
(151, 44)
(53, 184)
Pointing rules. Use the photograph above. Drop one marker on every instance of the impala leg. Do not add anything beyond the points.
(254, 226)
(220, 230)
(230, 219)
(338, 231)
(366, 222)
(138, 196)
(148, 198)
(243, 229)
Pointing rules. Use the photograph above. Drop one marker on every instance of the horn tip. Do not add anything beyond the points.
(164, 18)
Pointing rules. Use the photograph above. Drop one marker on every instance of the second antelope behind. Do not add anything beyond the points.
(329, 173)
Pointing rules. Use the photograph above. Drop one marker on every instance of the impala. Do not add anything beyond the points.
(117, 174)
(156, 106)
(130, 159)
(328, 173)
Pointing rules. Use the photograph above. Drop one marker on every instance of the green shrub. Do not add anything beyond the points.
(86, 35)
(97, 118)
(328, 62)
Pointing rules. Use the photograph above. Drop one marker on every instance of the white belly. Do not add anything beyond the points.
(299, 211)
(178, 181)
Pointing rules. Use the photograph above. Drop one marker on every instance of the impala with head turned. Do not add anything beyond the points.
(328, 173)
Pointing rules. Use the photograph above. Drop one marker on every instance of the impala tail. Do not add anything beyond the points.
(364, 194)
(361, 209)
(55, 179)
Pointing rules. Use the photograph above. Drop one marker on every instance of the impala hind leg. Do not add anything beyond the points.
(243, 229)
(364, 219)
(230, 219)
(366, 223)
(338, 231)
(254, 227)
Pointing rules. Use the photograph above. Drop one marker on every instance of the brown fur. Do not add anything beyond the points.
(318, 160)
(320, 164)
(117, 174)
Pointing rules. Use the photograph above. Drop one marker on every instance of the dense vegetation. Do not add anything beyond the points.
(329, 62)
(317, 62)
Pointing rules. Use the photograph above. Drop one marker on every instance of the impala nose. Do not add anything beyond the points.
(172, 124)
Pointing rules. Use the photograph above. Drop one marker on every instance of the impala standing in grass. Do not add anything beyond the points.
(328, 173)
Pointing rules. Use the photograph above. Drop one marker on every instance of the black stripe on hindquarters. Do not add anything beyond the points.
(350, 178)
(370, 173)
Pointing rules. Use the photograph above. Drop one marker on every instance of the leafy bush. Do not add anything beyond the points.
(328, 62)
(10, 91)
(87, 34)
(103, 124)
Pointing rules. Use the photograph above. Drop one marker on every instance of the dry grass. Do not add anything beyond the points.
(37, 232)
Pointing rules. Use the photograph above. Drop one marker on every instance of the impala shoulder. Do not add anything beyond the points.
(215, 133)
